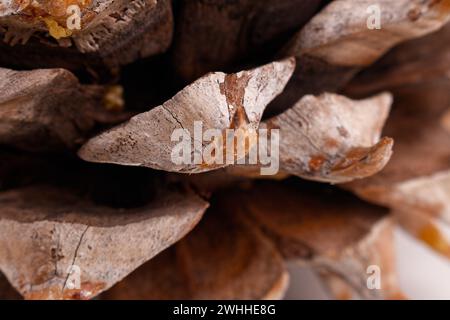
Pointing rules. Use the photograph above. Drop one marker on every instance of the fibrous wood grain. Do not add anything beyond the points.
(218, 101)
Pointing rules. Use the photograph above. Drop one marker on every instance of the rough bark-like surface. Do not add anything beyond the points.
(45, 232)
(219, 101)
(337, 42)
(113, 33)
(225, 257)
(341, 236)
(331, 138)
(221, 34)
(18, 168)
(48, 109)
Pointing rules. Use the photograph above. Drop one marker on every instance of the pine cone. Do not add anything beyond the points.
(107, 189)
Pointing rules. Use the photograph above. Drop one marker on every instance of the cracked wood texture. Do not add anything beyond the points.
(220, 101)
(45, 231)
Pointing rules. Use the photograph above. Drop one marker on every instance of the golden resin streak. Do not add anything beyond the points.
(55, 30)
(435, 239)
(53, 13)
(49, 8)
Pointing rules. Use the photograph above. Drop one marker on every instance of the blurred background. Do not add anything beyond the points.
(423, 274)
